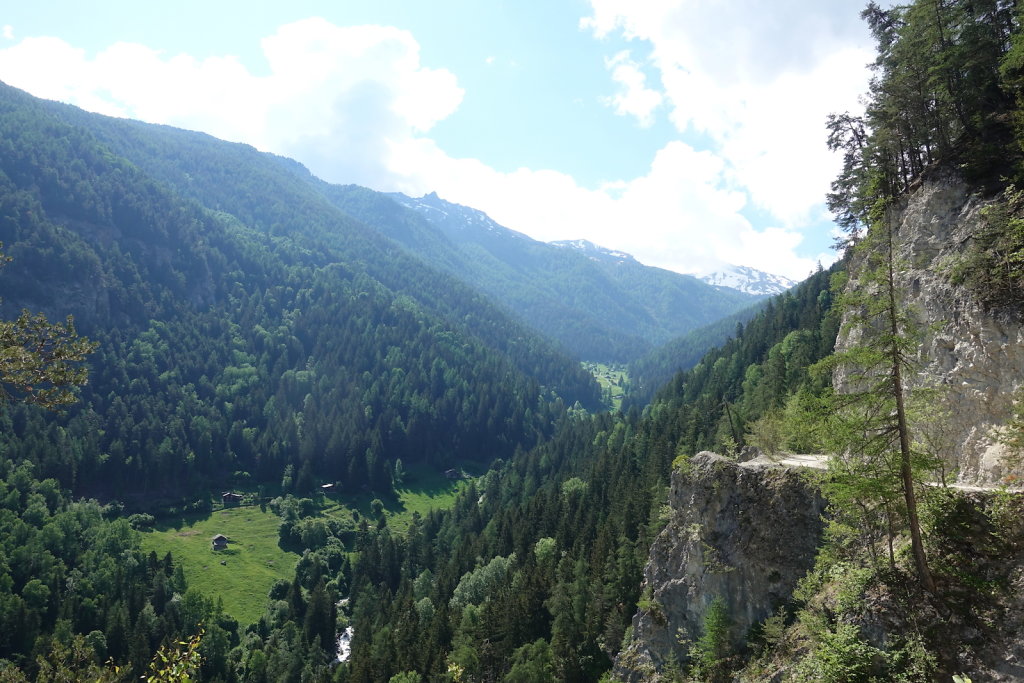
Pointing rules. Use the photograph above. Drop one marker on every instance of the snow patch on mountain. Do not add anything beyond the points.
(460, 222)
(454, 218)
(749, 280)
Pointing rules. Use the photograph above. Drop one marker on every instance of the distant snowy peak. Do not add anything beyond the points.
(464, 223)
(749, 280)
(593, 251)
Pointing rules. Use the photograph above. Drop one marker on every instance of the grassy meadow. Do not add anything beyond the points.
(424, 489)
(243, 574)
(611, 378)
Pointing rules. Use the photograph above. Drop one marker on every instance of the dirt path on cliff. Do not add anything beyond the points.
(819, 461)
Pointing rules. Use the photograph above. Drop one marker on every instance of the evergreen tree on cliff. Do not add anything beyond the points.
(937, 98)
(871, 406)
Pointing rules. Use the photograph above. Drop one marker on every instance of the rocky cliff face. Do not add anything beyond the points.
(745, 533)
(975, 356)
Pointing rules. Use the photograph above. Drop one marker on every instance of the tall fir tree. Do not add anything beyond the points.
(873, 435)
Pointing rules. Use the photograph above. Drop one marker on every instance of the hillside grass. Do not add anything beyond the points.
(612, 379)
(254, 559)
(424, 489)
(251, 563)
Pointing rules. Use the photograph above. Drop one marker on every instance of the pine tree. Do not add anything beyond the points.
(709, 656)
(871, 397)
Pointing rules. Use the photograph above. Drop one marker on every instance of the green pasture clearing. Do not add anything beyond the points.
(254, 560)
(251, 563)
(612, 379)
(424, 489)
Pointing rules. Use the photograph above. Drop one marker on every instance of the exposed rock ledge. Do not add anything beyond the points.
(743, 532)
(975, 355)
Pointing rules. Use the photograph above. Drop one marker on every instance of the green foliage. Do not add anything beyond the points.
(176, 665)
(253, 560)
(912, 661)
(39, 361)
(72, 661)
(76, 589)
(545, 549)
(876, 468)
(992, 265)
(837, 655)
(574, 488)
(937, 96)
(477, 586)
(710, 655)
(406, 677)
(772, 630)
(1013, 435)
(532, 663)
(766, 432)
(683, 463)
(804, 421)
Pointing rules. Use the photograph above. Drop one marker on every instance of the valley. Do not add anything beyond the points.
(260, 426)
(613, 380)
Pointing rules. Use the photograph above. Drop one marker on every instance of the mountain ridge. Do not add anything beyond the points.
(300, 342)
(600, 304)
(740, 278)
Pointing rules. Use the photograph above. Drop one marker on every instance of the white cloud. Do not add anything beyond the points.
(634, 97)
(757, 79)
(681, 215)
(8, 32)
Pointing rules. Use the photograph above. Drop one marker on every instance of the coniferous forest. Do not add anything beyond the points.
(239, 324)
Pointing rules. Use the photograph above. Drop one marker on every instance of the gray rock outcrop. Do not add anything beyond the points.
(974, 356)
(744, 533)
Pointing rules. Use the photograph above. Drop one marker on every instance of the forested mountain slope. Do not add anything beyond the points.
(595, 310)
(244, 323)
(535, 573)
(654, 369)
(600, 305)
(278, 197)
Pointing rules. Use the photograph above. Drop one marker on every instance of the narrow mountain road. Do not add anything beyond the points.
(819, 461)
(814, 461)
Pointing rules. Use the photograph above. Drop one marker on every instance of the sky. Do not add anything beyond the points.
(689, 133)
